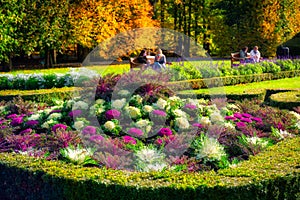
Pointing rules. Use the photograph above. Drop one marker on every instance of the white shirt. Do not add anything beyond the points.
(255, 55)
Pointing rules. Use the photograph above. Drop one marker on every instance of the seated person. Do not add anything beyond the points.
(142, 57)
(244, 55)
(255, 55)
(159, 61)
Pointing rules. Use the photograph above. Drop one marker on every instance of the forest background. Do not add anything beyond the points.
(51, 27)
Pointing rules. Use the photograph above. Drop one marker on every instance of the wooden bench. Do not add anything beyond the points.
(135, 64)
(236, 60)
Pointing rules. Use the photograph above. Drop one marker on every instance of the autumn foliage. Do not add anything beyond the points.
(96, 21)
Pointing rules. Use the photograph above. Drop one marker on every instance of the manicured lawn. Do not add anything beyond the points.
(288, 83)
(118, 69)
(99, 69)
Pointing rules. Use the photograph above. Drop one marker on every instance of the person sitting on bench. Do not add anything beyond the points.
(244, 58)
(255, 54)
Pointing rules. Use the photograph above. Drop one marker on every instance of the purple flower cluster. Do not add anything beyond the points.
(89, 130)
(190, 106)
(96, 138)
(55, 111)
(165, 139)
(241, 119)
(136, 132)
(16, 121)
(112, 114)
(28, 130)
(59, 126)
(165, 132)
(198, 125)
(32, 122)
(129, 140)
(75, 113)
(159, 113)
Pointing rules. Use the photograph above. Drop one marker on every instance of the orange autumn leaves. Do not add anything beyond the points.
(97, 20)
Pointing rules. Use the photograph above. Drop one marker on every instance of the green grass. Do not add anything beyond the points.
(118, 69)
(287, 83)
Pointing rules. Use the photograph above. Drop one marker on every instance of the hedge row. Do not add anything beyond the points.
(43, 95)
(273, 174)
(248, 94)
(231, 80)
(285, 100)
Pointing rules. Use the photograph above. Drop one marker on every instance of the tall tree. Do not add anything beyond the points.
(33, 25)
(96, 21)
(257, 22)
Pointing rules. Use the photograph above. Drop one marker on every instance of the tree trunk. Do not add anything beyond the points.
(82, 53)
(7, 66)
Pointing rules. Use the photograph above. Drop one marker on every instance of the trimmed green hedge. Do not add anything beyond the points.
(247, 94)
(42, 95)
(273, 174)
(231, 80)
(285, 100)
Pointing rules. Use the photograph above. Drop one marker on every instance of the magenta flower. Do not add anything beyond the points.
(165, 140)
(59, 126)
(32, 122)
(96, 138)
(165, 132)
(89, 130)
(159, 141)
(136, 132)
(129, 140)
(246, 120)
(28, 130)
(230, 118)
(16, 121)
(279, 126)
(75, 113)
(112, 114)
(257, 119)
(240, 124)
(55, 111)
(159, 113)
(190, 106)
(246, 115)
(238, 115)
(198, 125)
(11, 116)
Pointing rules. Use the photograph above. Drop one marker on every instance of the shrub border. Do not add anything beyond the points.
(289, 102)
(273, 174)
(231, 80)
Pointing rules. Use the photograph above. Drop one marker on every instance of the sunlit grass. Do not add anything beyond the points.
(118, 69)
(287, 83)
(102, 69)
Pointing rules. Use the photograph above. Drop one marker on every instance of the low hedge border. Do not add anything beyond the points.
(272, 174)
(231, 80)
(42, 95)
(247, 94)
(285, 100)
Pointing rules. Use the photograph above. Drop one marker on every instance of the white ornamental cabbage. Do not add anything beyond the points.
(149, 159)
(118, 104)
(182, 123)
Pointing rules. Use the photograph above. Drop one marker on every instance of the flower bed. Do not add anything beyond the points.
(117, 135)
(273, 174)
(145, 132)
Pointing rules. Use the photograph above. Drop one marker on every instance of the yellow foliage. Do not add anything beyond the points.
(98, 20)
